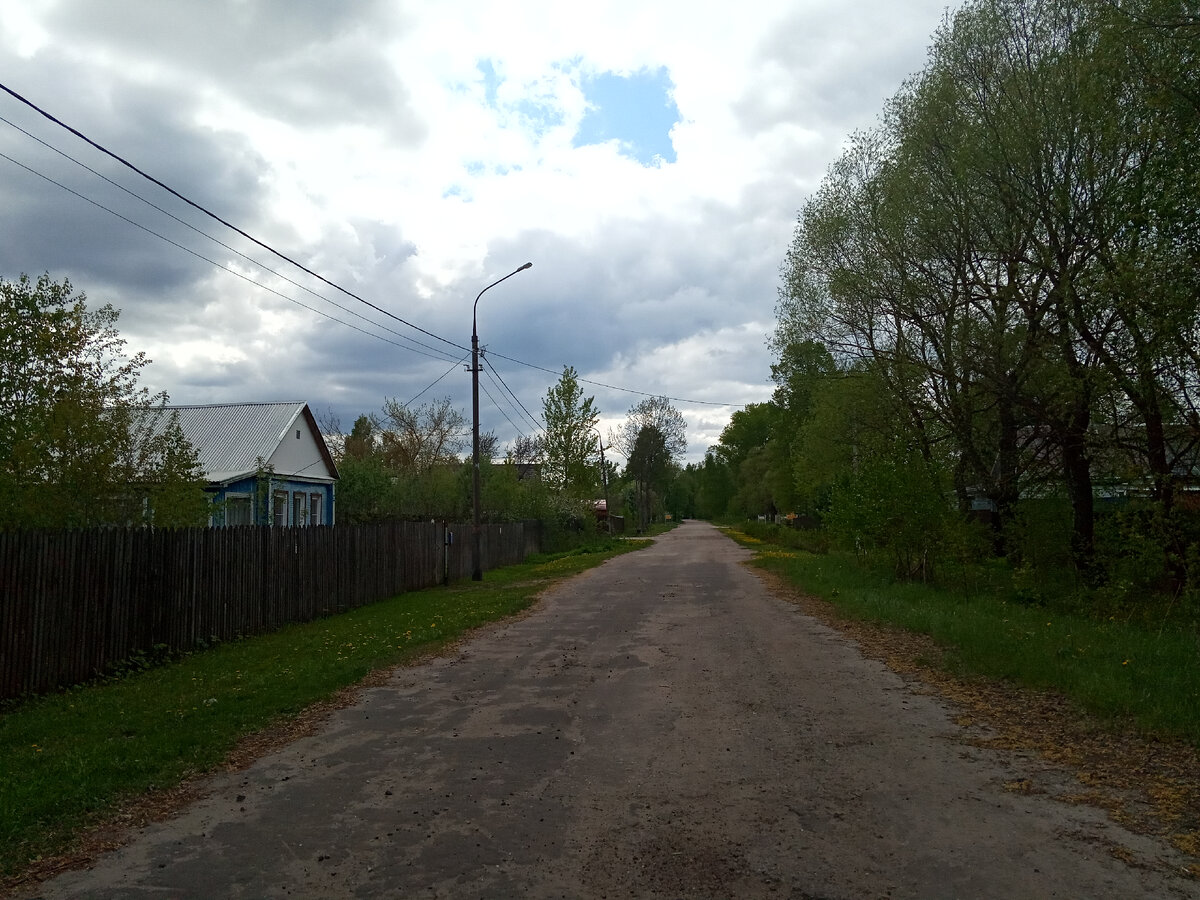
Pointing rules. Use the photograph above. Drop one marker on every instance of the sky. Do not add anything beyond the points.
(649, 158)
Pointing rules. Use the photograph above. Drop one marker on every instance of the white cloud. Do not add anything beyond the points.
(362, 140)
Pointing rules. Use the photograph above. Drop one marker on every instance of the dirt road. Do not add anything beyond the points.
(660, 726)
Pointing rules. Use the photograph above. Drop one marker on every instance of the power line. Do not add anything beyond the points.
(215, 240)
(613, 387)
(212, 262)
(205, 211)
(501, 410)
(508, 402)
(212, 215)
(532, 418)
(436, 380)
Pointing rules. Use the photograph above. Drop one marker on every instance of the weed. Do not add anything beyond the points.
(72, 758)
(1119, 668)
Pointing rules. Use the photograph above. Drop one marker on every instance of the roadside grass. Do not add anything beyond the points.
(72, 759)
(1118, 670)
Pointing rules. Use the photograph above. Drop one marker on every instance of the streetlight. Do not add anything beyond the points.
(476, 528)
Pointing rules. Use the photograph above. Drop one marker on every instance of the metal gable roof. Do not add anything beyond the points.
(232, 439)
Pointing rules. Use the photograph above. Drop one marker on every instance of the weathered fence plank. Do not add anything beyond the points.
(75, 603)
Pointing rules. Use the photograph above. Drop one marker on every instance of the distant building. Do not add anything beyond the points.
(265, 463)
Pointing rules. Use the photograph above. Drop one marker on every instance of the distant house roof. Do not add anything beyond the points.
(233, 439)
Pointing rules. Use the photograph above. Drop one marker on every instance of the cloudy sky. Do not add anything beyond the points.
(648, 157)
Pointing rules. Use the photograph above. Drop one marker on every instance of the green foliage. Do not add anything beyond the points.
(404, 464)
(650, 466)
(72, 759)
(1128, 673)
(659, 414)
(366, 490)
(714, 489)
(1137, 543)
(893, 504)
(812, 540)
(1012, 255)
(569, 445)
(80, 443)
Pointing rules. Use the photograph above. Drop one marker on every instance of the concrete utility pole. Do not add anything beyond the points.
(604, 479)
(476, 527)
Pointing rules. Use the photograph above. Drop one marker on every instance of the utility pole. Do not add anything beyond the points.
(476, 527)
(604, 479)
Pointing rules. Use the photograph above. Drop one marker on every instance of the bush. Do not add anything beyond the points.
(892, 504)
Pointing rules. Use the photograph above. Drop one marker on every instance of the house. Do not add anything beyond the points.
(265, 463)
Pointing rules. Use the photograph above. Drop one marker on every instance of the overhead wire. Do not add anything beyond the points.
(219, 242)
(537, 423)
(205, 211)
(500, 409)
(613, 387)
(429, 386)
(212, 262)
(212, 215)
(507, 401)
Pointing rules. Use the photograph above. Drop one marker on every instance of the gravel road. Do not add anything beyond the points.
(662, 726)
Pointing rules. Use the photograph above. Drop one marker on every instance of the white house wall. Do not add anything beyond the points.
(298, 454)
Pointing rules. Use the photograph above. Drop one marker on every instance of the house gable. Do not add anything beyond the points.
(301, 452)
(265, 463)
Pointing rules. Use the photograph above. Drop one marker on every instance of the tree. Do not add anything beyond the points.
(569, 448)
(526, 450)
(416, 439)
(747, 447)
(1014, 250)
(653, 412)
(363, 440)
(650, 466)
(714, 489)
(80, 443)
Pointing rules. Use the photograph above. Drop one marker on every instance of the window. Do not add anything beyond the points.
(238, 509)
(279, 508)
(299, 509)
(314, 509)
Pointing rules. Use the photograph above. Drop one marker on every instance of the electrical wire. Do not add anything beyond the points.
(220, 243)
(212, 215)
(613, 387)
(500, 409)
(537, 423)
(211, 262)
(436, 380)
(129, 165)
(505, 398)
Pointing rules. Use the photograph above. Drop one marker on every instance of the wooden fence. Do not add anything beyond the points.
(75, 603)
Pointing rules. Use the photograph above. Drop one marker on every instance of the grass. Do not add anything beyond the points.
(1119, 670)
(71, 759)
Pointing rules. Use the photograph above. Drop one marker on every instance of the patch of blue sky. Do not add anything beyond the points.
(491, 81)
(541, 117)
(636, 110)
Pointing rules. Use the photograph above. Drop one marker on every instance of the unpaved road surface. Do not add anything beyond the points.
(661, 726)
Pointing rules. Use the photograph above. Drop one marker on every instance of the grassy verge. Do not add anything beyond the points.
(1118, 670)
(71, 759)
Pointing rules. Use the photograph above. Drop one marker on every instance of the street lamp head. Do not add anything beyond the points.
(527, 265)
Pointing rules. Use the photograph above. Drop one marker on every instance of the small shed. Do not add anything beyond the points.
(265, 463)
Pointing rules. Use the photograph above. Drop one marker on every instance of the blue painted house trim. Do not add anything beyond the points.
(265, 463)
(273, 501)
